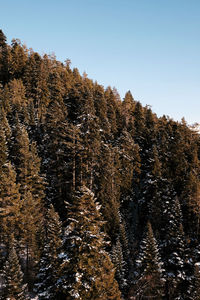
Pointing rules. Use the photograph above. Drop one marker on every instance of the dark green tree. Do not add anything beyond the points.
(120, 265)
(100, 106)
(10, 204)
(18, 59)
(173, 248)
(47, 276)
(14, 287)
(109, 190)
(128, 108)
(4, 56)
(86, 270)
(150, 278)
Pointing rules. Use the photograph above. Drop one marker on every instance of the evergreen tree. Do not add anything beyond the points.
(14, 288)
(31, 76)
(173, 249)
(4, 74)
(90, 136)
(150, 279)
(152, 185)
(120, 265)
(128, 157)
(56, 163)
(10, 204)
(128, 107)
(18, 59)
(111, 110)
(86, 269)
(5, 124)
(31, 232)
(109, 190)
(3, 149)
(76, 98)
(49, 262)
(31, 188)
(100, 106)
(17, 98)
(139, 125)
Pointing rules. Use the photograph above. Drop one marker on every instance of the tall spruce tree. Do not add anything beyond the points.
(173, 249)
(10, 204)
(109, 190)
(18, 59)
(14, 287)
(3, 149)
(4, 74)
(56, 153)
(86, 269)
(100, 106)
(128, 107)
(47, 276)
(31, 188)
(150, 278)
(120, 265)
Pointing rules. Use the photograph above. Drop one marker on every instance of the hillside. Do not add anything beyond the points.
(99, 198)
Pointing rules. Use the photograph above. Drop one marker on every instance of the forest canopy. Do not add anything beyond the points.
(99, 197)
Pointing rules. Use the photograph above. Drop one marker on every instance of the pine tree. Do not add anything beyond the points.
(128, 157)
(100, 106)
(10, 203)
(109, 190)
(19, 152)
(31, 188)
(3, 149)
(31, 231)
(14, 288)
(139, 125)
(173, 248)
(128, 107)
(28, 166)
(31, 76)
(17, 98)
(43, 91)
(86, 269)
(90, 135)
(4, 74)
(150, 279)
(49, 262)
(76, 100)
(5, 124)
(150, 131)
(18, 59)
(111, 110)
(120, 265)
(152, 184)
(56, 154)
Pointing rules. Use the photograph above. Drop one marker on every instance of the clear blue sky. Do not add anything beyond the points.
(151, 47)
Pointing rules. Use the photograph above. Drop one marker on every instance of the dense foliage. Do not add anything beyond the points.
(99, 198)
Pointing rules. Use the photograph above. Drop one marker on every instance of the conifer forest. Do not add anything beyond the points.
(99, 197)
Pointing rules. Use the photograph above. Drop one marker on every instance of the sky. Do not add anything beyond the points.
(150, 47)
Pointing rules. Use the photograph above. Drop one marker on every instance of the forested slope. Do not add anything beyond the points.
(99, 198)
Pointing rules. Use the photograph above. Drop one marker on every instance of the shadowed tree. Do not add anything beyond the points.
(14, 288)
(86, 269)
(150, 278)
